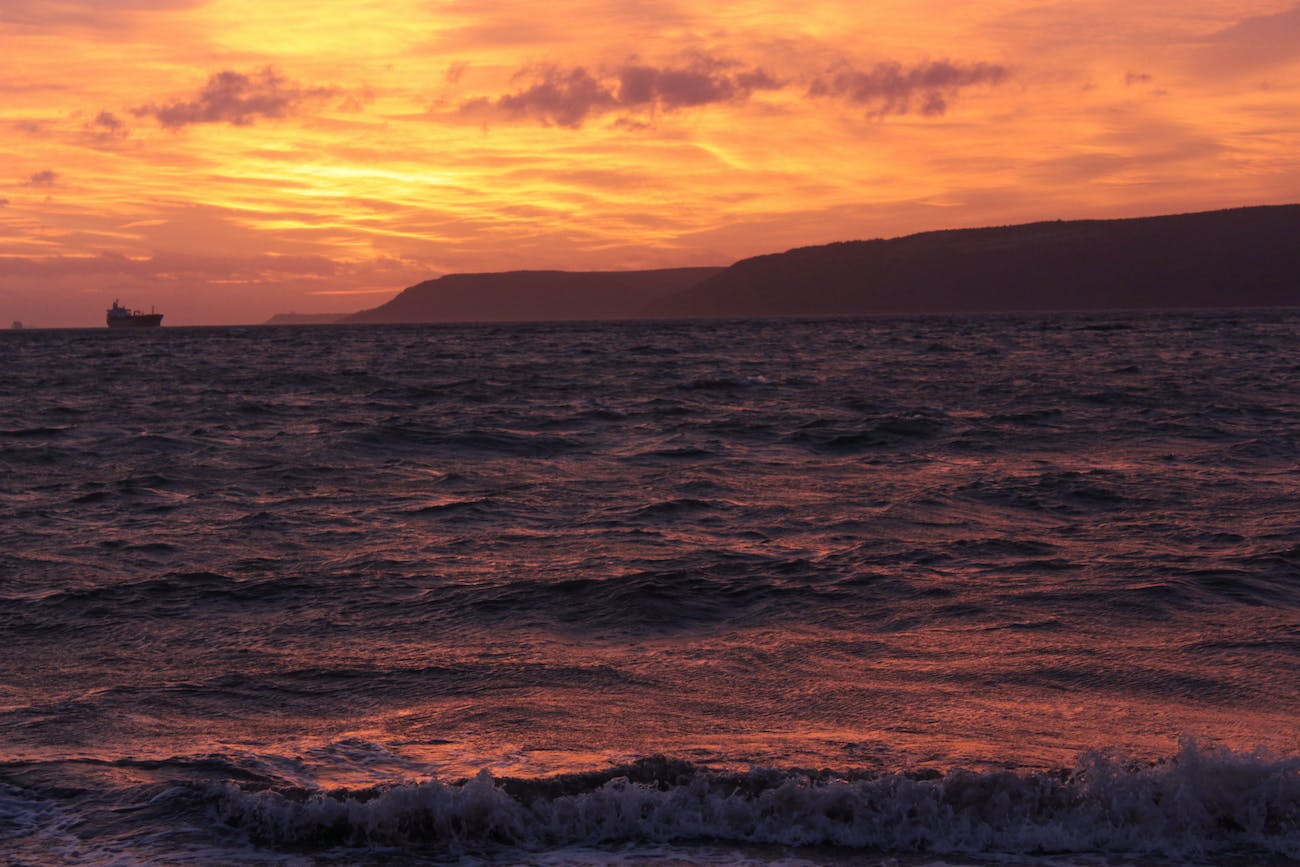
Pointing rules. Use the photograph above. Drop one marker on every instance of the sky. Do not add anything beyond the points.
(225, 160)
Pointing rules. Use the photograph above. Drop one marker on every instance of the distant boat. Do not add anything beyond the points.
(120, 317)
(17, 326)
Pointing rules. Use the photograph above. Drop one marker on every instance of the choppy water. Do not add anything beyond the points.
(946, 590)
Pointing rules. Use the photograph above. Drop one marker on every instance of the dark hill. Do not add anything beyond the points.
(1243, 257)
(525, 295)
(305, 318)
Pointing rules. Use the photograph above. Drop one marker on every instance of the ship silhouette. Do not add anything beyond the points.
(121, 317)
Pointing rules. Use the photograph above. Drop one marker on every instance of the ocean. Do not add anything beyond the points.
(931, 590)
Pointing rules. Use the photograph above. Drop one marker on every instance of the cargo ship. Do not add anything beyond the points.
(120, 317)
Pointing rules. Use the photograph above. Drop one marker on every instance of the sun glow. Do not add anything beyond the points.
(381, 143)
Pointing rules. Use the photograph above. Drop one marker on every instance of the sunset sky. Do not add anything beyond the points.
(228, 159)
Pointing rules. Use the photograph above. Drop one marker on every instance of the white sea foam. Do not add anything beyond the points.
(1203, 802)
(20, 814)
(36, 827)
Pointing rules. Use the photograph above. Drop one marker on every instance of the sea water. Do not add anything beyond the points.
(930, 590)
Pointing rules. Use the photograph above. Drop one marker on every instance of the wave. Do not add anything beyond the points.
(727, 383)
(1202, 802)
(45, 432)
(661, 600)
(886, 431)
(472, 506)
(143, 599)
(511, 443)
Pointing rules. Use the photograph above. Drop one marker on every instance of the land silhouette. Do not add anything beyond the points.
(529, 295)
(1242, 257)
(306, 318)
(1246, 257)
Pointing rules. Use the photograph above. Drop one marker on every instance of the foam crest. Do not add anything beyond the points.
(1201, 802)
(33, 827)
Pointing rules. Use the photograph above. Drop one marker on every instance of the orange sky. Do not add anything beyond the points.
(228, 159)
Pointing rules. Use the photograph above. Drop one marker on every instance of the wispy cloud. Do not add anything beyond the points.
(43, 178)
(236, 98)
(169, 266)
(892, 88)
(386, 290)
(1255, 43)
(93, 14)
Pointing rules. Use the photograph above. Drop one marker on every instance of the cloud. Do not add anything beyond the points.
(30, 127)
(891, 88)
(1255, 43)
(4, 203)
(44, 178)
(170, 266)
(108, 122)
(106, 128)
(569, 97)
(564, 97)
(94, 14)
(705, 80)
(235, 98)
(1137, 149)
(1132, 78)
(455, 72)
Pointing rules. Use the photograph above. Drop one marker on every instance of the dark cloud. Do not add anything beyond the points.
(105, 130)
(235, 98)
(704, 81)
(1132, 78)
(45, 178)
(569, 97)
(4, 203)
(108, 122)
(891, 88)
(564, 97)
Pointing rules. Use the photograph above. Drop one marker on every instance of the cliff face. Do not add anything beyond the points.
(533, 295)
(1241, 257)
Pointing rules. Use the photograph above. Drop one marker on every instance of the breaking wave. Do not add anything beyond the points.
(1202, 802)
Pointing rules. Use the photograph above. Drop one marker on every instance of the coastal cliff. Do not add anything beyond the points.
(1245, 257)
(533, 295)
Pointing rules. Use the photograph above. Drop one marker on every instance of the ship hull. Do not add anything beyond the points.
(140, 320)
